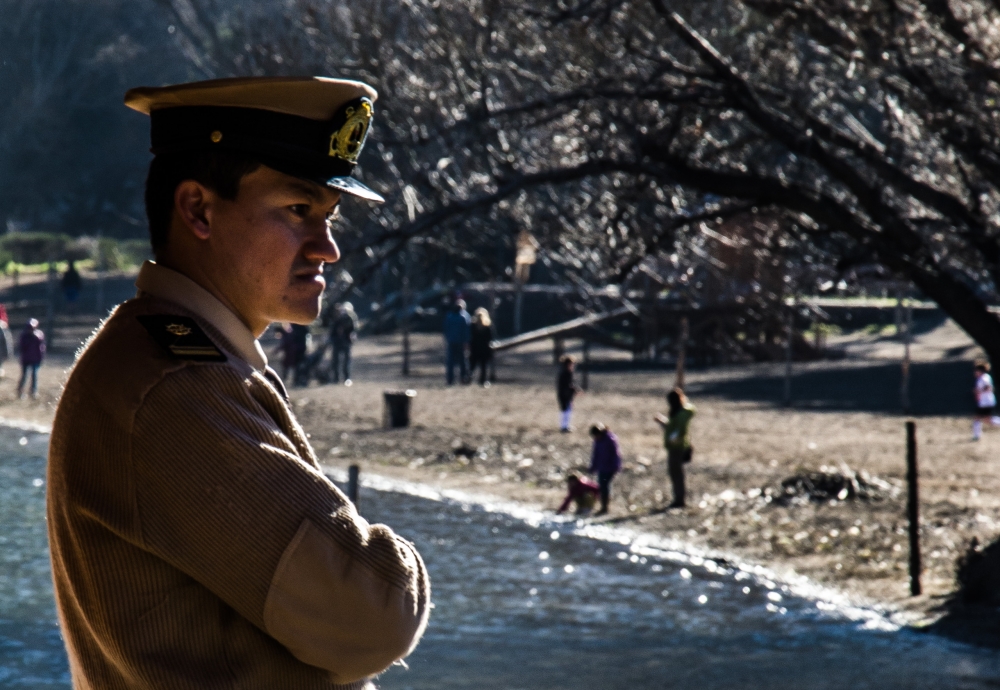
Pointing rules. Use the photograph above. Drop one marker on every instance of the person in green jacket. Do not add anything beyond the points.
(677, 440)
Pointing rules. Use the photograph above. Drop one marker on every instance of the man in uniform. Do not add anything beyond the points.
(195, 542)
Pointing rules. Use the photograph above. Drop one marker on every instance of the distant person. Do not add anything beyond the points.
(293, 343)
(677, 440)
(480, 352)
(343, 333)
(6, 341)
(605, 462)
(582, 492)
(300, 346)
(71, 284)
(457, 323)
(986, 400)
(566, 391)
(31, 346)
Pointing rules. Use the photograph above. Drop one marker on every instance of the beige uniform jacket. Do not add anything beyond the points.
(195, 542)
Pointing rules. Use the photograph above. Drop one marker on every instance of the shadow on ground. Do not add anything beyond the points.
(936, 388)
(970, 613)
(975, 625)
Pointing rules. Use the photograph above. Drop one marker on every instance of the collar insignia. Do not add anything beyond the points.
(346, 143)
(182, 337)
(180, 330)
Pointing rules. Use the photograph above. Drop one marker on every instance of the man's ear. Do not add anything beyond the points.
(193, 206)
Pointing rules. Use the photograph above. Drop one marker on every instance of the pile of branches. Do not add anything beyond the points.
(820, 487)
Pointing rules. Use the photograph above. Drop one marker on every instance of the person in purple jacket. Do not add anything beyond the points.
(31, 346)
(605, 461)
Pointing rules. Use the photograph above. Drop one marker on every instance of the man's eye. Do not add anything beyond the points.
(301, 210)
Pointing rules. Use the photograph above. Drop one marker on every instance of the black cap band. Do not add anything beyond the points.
(295, 145)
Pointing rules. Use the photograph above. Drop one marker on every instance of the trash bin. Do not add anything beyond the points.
(397, 408)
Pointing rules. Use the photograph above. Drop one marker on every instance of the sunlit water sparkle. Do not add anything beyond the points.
(523, 600)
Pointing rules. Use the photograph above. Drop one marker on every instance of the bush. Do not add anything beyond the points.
(35, 247)
(119, 255)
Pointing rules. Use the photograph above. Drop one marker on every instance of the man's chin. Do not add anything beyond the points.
(303, 314)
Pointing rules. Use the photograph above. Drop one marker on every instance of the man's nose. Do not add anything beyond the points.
(323, 248)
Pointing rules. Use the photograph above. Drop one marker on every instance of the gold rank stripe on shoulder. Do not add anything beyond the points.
(182, 337)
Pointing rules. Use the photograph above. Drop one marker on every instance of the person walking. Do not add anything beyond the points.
(480, 350)
(71, 284)
(605, 461)
(986, 400)
(343, 333)
(286, 346)
(566, 391)
(457, 324)
(300, 338)
(31, 346)
(677, 440)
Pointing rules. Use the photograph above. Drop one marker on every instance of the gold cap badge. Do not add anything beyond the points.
(347, 142)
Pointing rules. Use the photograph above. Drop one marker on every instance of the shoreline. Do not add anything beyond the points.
(644, 543)
(635, 539)
(745, 446)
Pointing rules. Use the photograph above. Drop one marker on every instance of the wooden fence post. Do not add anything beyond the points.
(353, 472)
(912, 506)
(681, 353)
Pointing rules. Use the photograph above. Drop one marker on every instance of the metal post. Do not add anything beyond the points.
(558, 350)
(681, 352)
(586, 365)
(406, 350)
(518, 300)
(99, 272)
(352, 484)
(904, 387)
(648, 318)
(912, 512)
(494, 312)
(406, 313)
(789, 337)
(50, 308)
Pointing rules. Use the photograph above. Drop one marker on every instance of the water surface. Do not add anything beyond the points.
(522, 606)
(530, 604)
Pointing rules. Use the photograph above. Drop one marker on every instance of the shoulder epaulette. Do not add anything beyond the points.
(182, 337)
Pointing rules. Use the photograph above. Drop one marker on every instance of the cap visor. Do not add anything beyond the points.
(348, 185)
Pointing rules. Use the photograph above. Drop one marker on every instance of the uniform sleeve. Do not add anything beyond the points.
(226, 497)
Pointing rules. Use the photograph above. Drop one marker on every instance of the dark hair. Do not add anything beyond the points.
(676, 400)
(566, 360)
(598, 429)
(220, 171)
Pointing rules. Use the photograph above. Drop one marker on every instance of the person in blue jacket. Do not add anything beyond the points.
(605, 461)
(457, 333)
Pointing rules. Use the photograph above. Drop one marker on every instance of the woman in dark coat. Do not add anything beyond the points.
(480, 352)
(605, 461)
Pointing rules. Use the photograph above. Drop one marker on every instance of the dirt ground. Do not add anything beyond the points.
(744, 447)
(745, 441)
